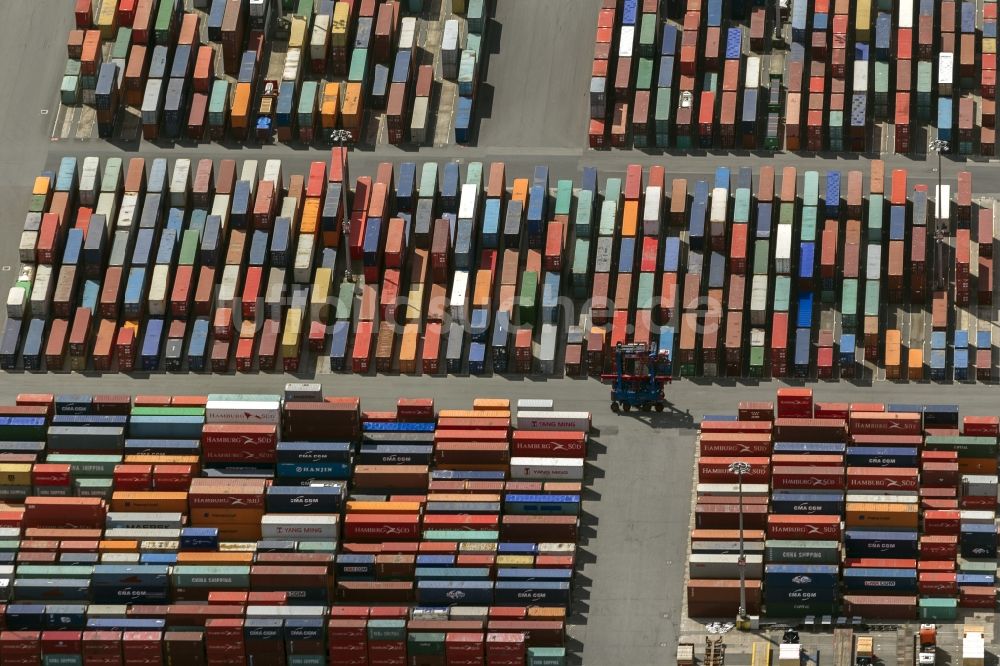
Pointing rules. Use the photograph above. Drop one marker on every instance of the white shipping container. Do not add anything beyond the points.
(869, 498)
(758, 300)
(293, 59)
(137, 534)
(303, 392)
(905, 13)
(89, 180)
(946, 72)
(752, 78)
(272, 172)
(469, 202)
(418, 121)
(266, 412)
(122, 558)
(860, 76)
(546, 469)
(16, 301)
(626, 38)
(220, 207)
(107, 205)
(973, 649)
(300, 527)
(715, 567)
(459, 303)
(180, 183)
(407, 33)
(977, 517)
(547, 349)
(450, 41)
(758, 337)
(731, 489)
(873, 264)
(152, 102)
(556, 548)
(305, 249)
(979, 485)
(159, 290)
(289, 209)
(144, 520)
(528, 420)
(942, 194)
(228, 286)
(248, 172)
(41, 291)
(26, 247)
(320, 37)
(282, 612)
(720, 204)
(127, 219)
(535, 404)
(783, 250)
(652, 210)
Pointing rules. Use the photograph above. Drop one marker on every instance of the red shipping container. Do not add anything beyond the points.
(799, 478)
(795, 403)
(882, 478)
(239, 442)
(937, 584)
(734, 444)
(716, 470)
(942, 522)
(803, 527)
(883, 423)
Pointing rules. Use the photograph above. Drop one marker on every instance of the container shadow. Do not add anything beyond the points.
(592, 471)
(590, 495)
(595, 448)
(485, 92)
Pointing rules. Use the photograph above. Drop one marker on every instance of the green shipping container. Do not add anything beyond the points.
(967, 447)
(974, 567)
(317, 547)
(475, 16)
(810, 188)
(164, 26)
(35, 571)
(474, 174)
(644, 74)
(938, 609)
(872, 289)
(189, 247)
(661, 117)
(307, 103)
(786, 213)
(218, 103)
(306, 11)
(24, 432)
(37, 203)
(802, 552)
(215, 577)
(741, 206)
(808, 233)
(345, 301)
(526, 311)
(613, 190)
(94, 487)
(711, 82)
(782, 289)
(761, 257)
(86, 465)
(756, 361)
(581, 268)
(648, 25)
(167, 411)
(10, 545)
(644, 292)
(119, 50)
(609, 215)
(72, 68)
(874, 222)
(836, 128)
(564, 197)
(849, 304)
(358, 71)
(463, 536)
(387, 630)
(428, 181)
(546, 656)
(425, 643)
(112, 178)
(584, 214)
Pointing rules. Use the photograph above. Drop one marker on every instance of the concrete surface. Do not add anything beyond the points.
(635, 529)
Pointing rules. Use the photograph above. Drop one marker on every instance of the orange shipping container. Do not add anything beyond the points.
(241, 106)
(520, 191)
(330, 106)
(353, 107)
(630, 218)
(310, 216)
(862, 514)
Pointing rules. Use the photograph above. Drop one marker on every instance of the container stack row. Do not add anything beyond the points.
(341, 61)
(461, 59)
(690, 80)
(869, 510)
(295, 526)
(196, 266)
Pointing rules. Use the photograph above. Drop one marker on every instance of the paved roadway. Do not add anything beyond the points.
(636, 525)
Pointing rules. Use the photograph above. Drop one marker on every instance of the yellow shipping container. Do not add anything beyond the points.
(989, 44)
(515, 561)
(118, 546)
(408, 349)
(915, 365)
(297, 33)
(339, 24)
(474, 414)
(330, 106)
(292, 333)
(310, 215)
(415, 303)
(463, 497)
(863, 21)
(351, 110)
(107, 20)
(630, 219)
(41, 186)
(482, 404)
(457, 6)
(319, 300)
(860, 514)
(355, 506)
(15, 474)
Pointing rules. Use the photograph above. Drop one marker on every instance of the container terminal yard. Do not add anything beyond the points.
(854, 377)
